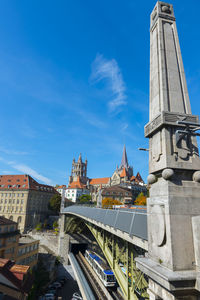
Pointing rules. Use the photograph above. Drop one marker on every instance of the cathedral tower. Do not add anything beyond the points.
(79, 170)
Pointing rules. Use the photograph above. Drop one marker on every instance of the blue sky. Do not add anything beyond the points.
(74, 77)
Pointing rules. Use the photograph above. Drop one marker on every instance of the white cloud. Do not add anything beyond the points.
(12, 152)
(27, 170)
(109, 70)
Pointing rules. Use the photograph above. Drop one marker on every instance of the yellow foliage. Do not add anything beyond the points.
(109, 202)
(141, 200)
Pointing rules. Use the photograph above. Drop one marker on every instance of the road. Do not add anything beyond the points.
(70, 286)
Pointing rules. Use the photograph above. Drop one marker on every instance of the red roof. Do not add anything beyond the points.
(61, 186)
(17, 182)
(123, 173)
(14, 273)
(77, 184)
(103, 180)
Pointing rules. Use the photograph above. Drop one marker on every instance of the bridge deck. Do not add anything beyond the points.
(132, 222)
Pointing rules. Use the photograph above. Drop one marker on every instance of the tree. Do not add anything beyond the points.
(38, 227)
(84, 198)
(54, 203)
(55, 224)
(141, 200)
(109, 202)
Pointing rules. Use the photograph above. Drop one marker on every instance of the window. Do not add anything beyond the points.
(22, 195)
(21, 208)
(13, 201)
(16, 208)
(10, 200)
(17, 201)
(22, 201)
(19, 219)
(5, 200)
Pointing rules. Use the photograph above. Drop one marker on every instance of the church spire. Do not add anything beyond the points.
(80, 158)
(124, 162)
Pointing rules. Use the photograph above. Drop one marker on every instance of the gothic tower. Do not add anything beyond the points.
(79, 169)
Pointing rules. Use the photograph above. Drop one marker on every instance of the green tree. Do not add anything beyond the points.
(38, 227)
(55, 224)
(84, 198)
(54, 203)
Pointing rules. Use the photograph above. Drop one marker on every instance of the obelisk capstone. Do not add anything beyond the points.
(174, 166)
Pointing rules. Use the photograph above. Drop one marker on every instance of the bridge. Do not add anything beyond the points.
(121, 235)
(172, 264)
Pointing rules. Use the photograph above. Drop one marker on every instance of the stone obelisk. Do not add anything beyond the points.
(174, 166)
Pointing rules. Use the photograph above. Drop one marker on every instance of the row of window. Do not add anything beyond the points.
(7, 228)
(27, 249)
(11, 209)
(115, 193)
(12, 194)
(9, 250)
(27, 260)
(12, 201)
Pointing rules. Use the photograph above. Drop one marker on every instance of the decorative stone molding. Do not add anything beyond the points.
(196, 176)
(167, 173)
(151, 178)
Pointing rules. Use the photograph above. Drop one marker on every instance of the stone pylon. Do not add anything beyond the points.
(174, 205)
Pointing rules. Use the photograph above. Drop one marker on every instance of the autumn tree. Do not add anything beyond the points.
(141, 200)
(109, 202)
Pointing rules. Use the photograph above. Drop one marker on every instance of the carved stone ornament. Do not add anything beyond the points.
(196, 176)
(166, 9)
(167, 174)
(158, 225)
(151, 178)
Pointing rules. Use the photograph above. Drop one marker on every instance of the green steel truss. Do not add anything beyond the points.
(120, 255)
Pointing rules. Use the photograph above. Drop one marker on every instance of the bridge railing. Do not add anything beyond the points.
(133, 222)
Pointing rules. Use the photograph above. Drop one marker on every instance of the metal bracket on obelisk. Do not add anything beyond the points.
(190, 130)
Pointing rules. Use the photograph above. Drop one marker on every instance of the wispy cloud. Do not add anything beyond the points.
(110, 71)
(26, 170)
(92, 119)
(12, 152)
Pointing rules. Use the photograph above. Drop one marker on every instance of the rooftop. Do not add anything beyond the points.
(103, 180)
(4, 221)
(26, 240)
(25, 181)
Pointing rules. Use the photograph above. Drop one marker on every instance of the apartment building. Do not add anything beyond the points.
(27, 251)
(23, 250)
(9, 239)
(24, 200)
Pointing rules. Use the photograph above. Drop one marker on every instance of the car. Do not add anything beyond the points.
(77, 296)
(49, 296)
(61, 281)
(57, 284)
(51, 286)
(52, 291)
(62, 278)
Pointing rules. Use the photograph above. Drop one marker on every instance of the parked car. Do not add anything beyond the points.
(52, 291)
(61, 281)
(51, 286)
(77, 296)
(62, 278)
(57, 284)
(49, 296)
